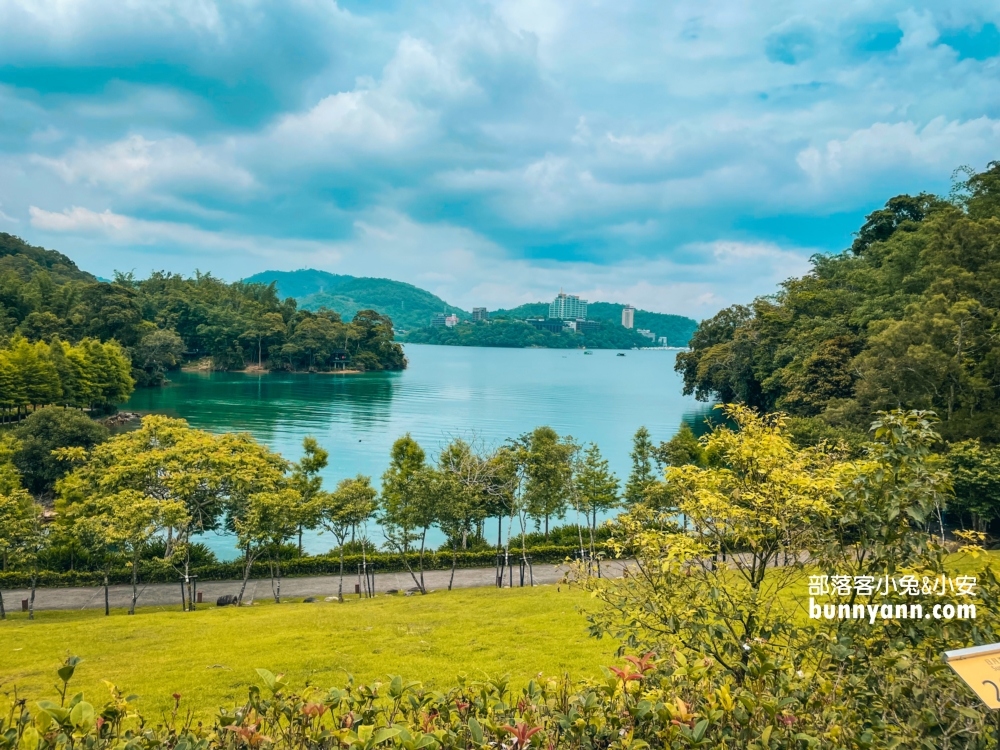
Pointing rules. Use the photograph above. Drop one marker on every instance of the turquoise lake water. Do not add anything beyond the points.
(446, 392)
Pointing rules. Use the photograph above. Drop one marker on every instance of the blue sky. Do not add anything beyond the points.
(681, 156)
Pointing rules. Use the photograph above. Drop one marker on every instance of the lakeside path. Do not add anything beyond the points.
(169, 594)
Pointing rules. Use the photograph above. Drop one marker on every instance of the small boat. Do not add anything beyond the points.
(587, 351)
(621, 354)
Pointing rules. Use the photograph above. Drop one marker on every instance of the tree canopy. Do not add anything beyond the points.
(908, 317)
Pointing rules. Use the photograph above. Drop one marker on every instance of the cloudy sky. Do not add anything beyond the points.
(678, 155)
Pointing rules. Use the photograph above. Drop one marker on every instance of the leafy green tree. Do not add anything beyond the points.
(308, 482)
(975, 472)
(682, 449)
(15, 513)
(48, 430)
(156, 352)
(642, 476)
(595, 488)
(408, 503)
(907, 318)
(351, 505)
(548, 470)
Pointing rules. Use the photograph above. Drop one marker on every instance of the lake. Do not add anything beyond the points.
(446, 392)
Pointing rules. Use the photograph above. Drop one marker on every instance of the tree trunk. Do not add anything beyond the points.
(248, 564)
(107, 603)
(454, 563)
(31, 601)
(187, 580)
(340, 588)
(3, 612)
(546, 527)
(275, 566)
(423, 539)
(135, 583)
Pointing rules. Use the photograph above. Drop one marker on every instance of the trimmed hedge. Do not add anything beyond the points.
(310, 565)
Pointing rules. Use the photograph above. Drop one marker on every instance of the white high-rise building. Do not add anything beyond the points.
(628, 316)
(568, 307)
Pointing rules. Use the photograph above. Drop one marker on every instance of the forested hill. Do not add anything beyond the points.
(24, 261)
(676, 328)
(408, 306)
(52, 313)
(909, 317)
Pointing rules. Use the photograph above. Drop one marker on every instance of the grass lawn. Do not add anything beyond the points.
(209, 656)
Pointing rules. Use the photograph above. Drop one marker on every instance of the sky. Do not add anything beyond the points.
(681, 156)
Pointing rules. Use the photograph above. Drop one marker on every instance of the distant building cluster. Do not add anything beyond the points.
(568, 307)
(567, 313)
(443, 320)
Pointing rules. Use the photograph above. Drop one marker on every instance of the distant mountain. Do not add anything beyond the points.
(408, 306)
(677, 328)
(411, 307)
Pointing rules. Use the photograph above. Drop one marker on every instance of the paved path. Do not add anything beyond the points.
(169, 594)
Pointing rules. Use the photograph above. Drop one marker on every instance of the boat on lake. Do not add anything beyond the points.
(621, 354)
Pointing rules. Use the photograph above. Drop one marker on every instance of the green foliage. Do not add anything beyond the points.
(682, 449)
(48, 430)
(975, 472)
(642, 476)
(160, 320)
(595, 487)
(548, 470)
(908, 318)
(763, 515)
(87, 374)
(518, 334)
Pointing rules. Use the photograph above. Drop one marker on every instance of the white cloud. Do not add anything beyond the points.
(135, 164)
(461, 266)
(936, 147)
(78, 219)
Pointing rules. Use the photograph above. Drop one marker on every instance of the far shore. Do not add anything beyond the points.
(255, 370)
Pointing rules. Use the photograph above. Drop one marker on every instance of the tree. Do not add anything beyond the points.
(264, 328)
(133, 520)
(340, 512)
(975, 471)
(48, 430)
(408, 497)
(16, 521)
(595, 487)
(548, 469)
(308, 482)
(642, 476)
(156, 352)
(266, 519)
(718, 601)
(682, 449)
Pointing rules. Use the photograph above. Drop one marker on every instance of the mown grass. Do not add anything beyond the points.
(209, 656)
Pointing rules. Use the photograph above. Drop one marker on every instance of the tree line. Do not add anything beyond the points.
(166, 318)
(519, 334)
(88, 374)
(143, 497)
(907, 316)
(714, 617)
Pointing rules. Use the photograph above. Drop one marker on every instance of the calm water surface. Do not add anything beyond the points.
(446, 392)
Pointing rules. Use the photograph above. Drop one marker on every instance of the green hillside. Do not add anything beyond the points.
(24, 261)
(677, 328)
(408, 306)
